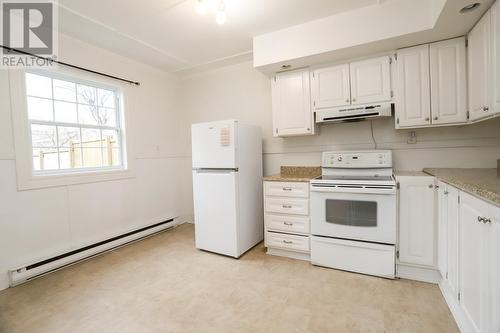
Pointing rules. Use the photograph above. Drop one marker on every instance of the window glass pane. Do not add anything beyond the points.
(64, 90)
(43, 136)
(111, 157)
(106, 98)
(92, 157)
(91, 138)
(65, 112)
(351, 213)
(107, 117)
(65, 158)
(88, 114)
(68, 136)
(40, 109)
(37, 85)
(86, 94)
(45, 159)
(110, 138)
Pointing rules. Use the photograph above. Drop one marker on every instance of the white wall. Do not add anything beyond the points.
(36, 224)
(241, 92)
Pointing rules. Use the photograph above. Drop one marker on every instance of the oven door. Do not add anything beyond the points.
(358, 214)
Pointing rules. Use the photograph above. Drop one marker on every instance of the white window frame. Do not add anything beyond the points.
(27, 177)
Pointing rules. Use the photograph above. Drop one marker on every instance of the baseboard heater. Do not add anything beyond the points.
(29, 272)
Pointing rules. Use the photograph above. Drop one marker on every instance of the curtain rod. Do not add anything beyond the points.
(10, 49)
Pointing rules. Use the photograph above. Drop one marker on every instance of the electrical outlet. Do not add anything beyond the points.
(412, 138)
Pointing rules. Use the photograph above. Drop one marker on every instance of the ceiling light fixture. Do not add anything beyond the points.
(470, 7)
(220, 17)
(212, 6)
(201, 7)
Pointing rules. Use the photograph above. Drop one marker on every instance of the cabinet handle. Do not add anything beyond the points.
(436, 118)
(354, 99)
(309, 130)
(431, 186)
(287, 242)
(287, 223)
(486, 220)
(287, 188)
(446, 192)
(347, 100)
(480, 219)
(485, 108)
(286, 206)
(427, 119)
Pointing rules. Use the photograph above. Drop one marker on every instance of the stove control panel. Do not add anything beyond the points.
(368, 159)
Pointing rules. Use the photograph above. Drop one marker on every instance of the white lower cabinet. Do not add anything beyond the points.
(473, 261)
(469, 259)
(417, 257)
(287, 222)
(494, 270)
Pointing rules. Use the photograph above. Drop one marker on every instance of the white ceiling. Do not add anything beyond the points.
(170, 34)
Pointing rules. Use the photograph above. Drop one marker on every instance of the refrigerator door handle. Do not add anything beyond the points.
(215, 170)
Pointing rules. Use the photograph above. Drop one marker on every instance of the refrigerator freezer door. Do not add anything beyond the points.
(214, 145)
(215, 198)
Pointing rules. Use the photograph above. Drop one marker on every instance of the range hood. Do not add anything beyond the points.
(354, 113)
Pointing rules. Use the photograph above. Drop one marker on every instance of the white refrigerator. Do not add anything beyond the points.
(227, 186)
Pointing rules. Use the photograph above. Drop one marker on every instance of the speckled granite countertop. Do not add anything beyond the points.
(295, 174)
(483, 183)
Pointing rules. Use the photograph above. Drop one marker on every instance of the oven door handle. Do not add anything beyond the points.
(390, 190)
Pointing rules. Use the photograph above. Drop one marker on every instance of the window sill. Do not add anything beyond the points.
(37, 181)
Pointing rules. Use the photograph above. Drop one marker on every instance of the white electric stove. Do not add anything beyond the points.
(353, 213)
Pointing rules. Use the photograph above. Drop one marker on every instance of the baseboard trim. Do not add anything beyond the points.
(423, 274)
(39, 268)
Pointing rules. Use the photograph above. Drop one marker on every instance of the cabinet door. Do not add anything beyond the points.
(413, 98)
(453, 233)
(448, 82)
(292, 113)
(473, 260)
(330, 87)
(495, 56)
(494, 269)
(479, 67)
(371, 80)
(416, 220)
(442, 229)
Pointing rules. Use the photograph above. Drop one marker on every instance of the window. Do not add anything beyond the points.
(74, 125)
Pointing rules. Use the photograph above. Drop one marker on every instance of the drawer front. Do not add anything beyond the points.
(288, 242)
(287, 189)
(287, 206)
(287, 223)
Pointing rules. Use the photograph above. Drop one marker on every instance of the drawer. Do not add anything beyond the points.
(287, 206)
(288, 242)
(287, 223)
(287, 189)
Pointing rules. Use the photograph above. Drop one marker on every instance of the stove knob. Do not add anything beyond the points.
(339, 159)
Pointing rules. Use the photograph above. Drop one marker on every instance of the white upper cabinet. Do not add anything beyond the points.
(371, 80)
(330, 87)
(495, 56)
(291, 102)
(417, 234)
(479, 68)
(448, 81)
(413, 100)
(360, 82)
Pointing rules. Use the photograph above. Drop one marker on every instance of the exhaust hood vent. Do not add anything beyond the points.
(354, 113)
